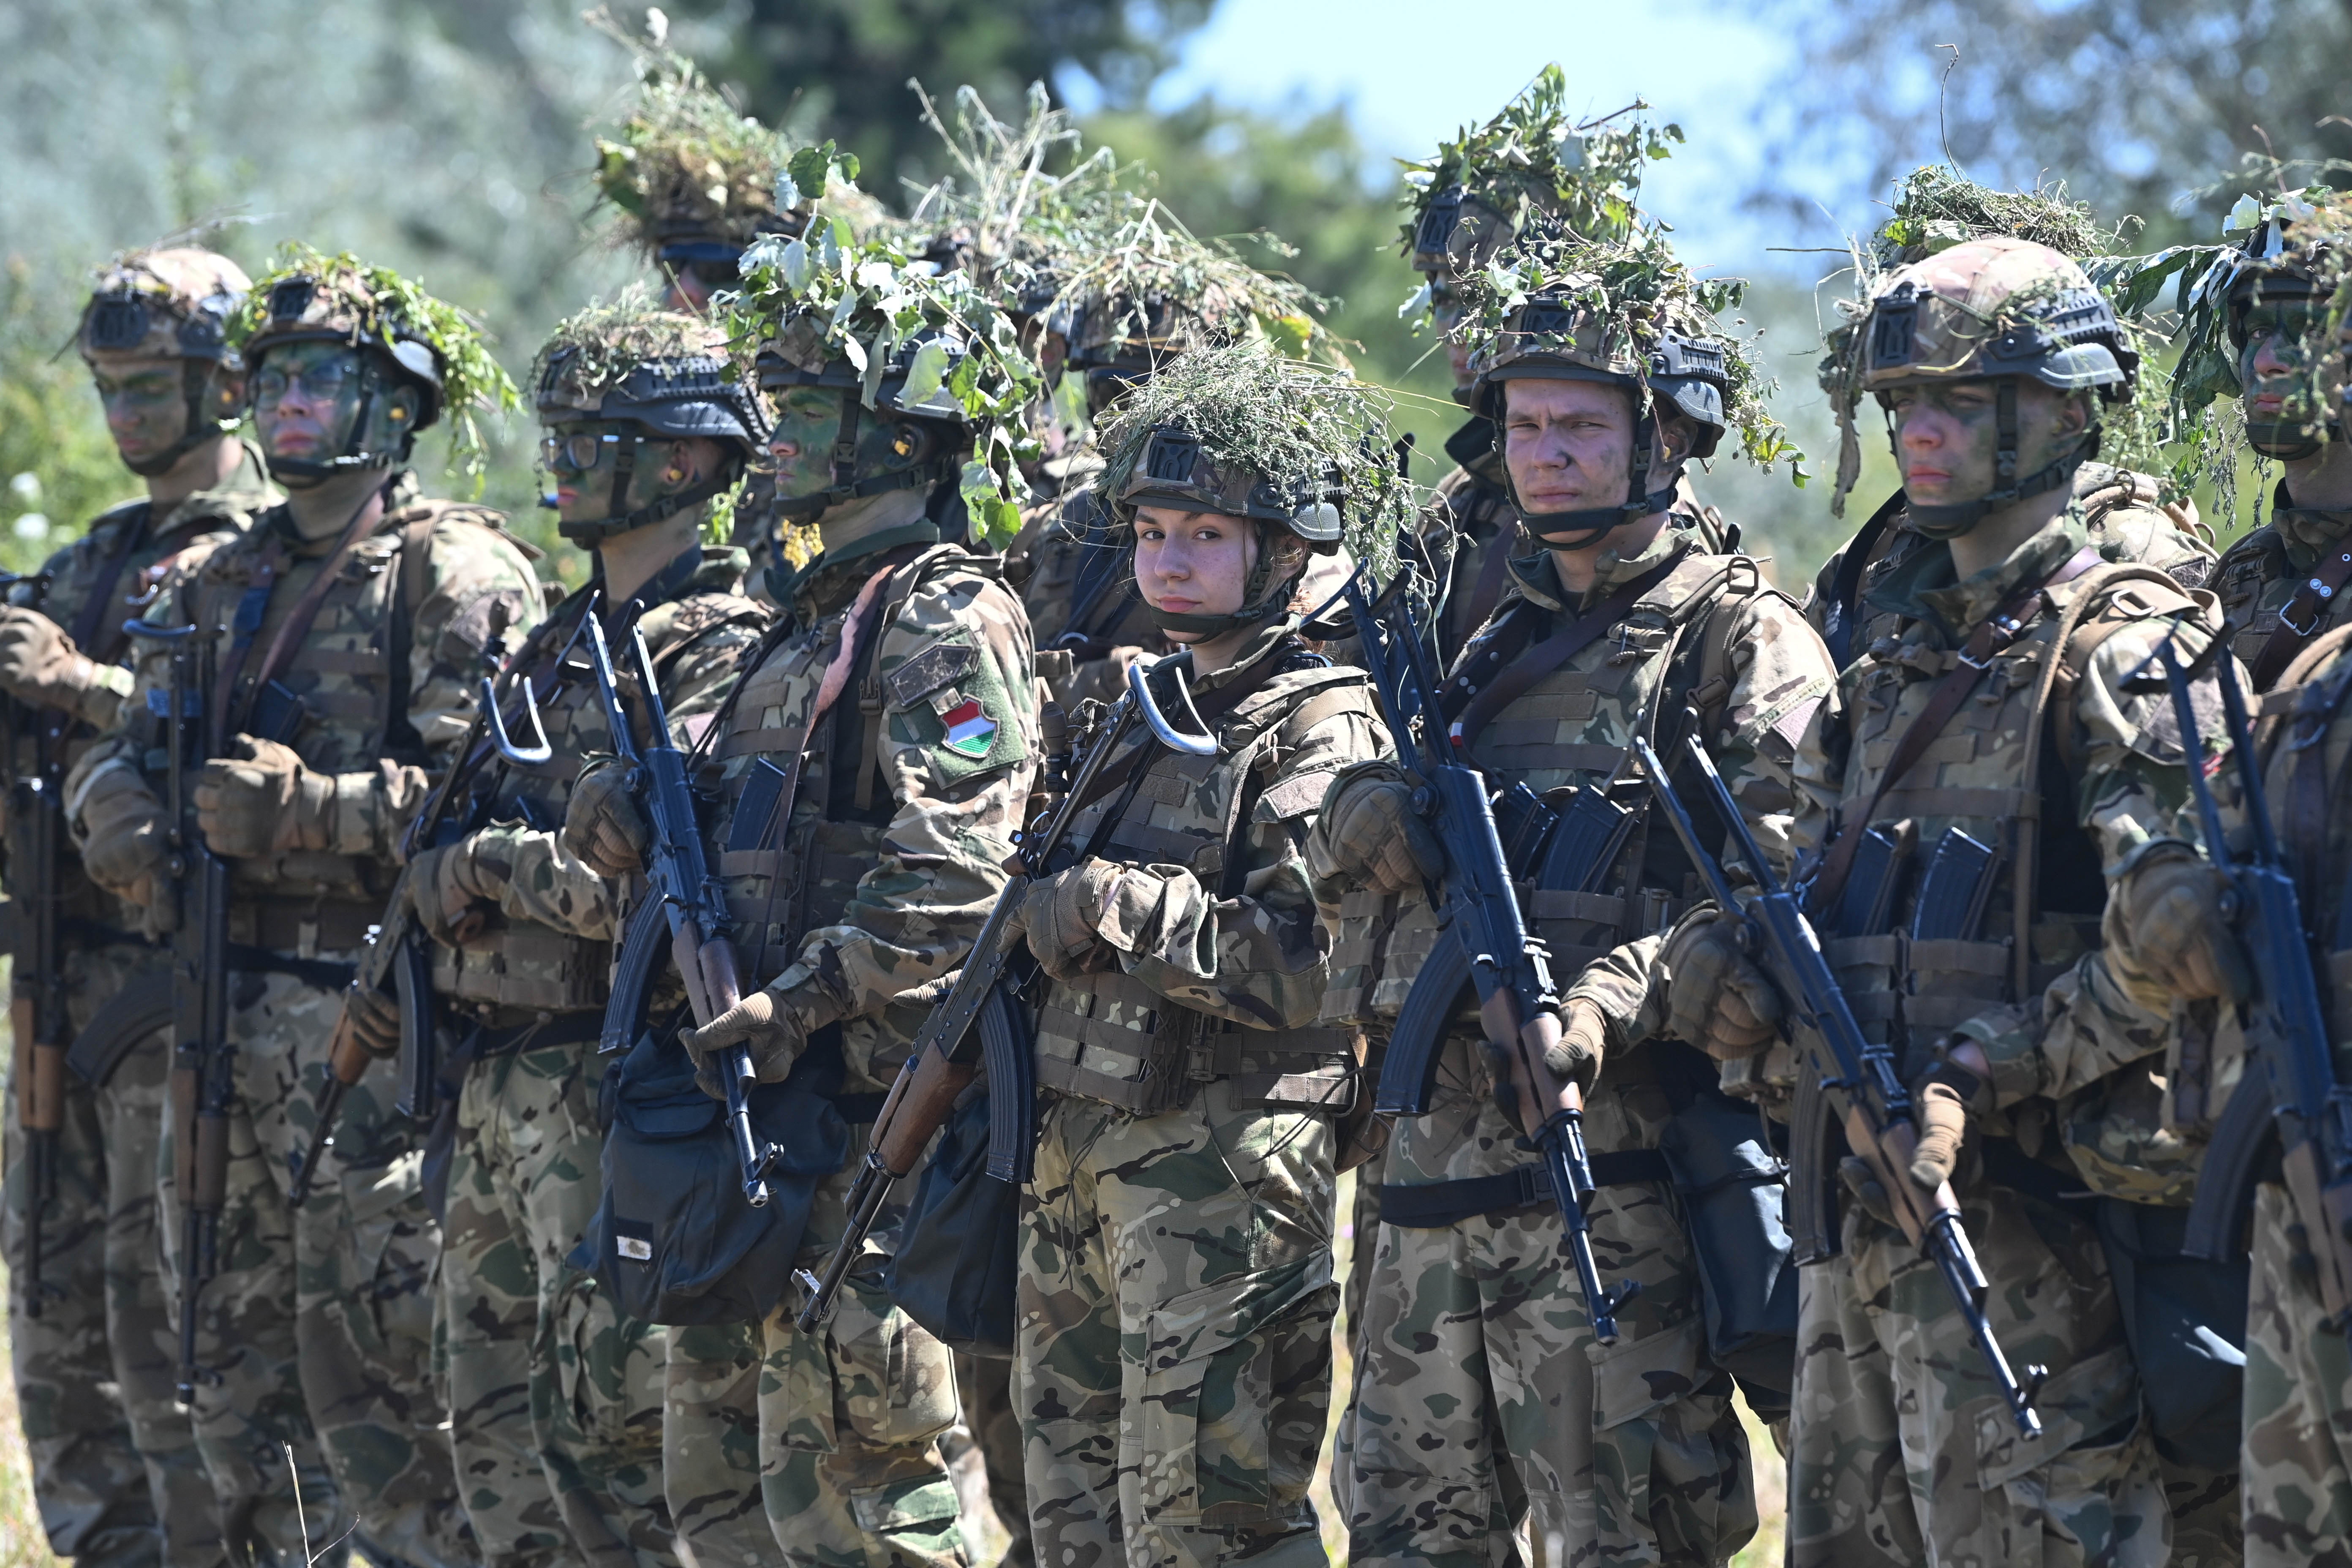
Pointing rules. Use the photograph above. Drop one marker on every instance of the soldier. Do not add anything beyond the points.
(893, 719)
(115, 1468)
(1176, 1290)
(2127, 514)
(2278, 584)
(1482, 1394)
(350, 627)
(2000, 729)
(555, 1397)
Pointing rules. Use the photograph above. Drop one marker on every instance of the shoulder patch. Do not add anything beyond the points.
(929, 670)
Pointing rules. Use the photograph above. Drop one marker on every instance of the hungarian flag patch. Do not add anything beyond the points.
(970, 732)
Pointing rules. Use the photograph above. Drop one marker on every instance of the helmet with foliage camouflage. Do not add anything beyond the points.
(659, 376)
(171, 302)
(403, 337)
(1626, 313)
(2286, 283)
(1999, 310)
(927, 368)
(1243, 431)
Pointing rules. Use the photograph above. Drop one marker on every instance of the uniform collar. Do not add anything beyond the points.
(400, 490)
(2307, 530)
(245, 493)
(1925, 586)
(1260, 647)
(1536, 576)
(696, 569)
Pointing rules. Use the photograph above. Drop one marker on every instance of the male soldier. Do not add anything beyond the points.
(1176, 1293)
(2000, 729)
(870, 765)
(115, 1467)
(555, 1398)
(1482, 1393)
(2280, 584)
(349, 629)
(2123, 511)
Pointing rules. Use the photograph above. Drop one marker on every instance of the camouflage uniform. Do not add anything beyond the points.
(115, 1467)
(2263, 572)
(882, 874)
(1481, 1395)
(1080, 595)
(555, 1399)
(1173, 1360)
(320, 1321)
(1887, 1367)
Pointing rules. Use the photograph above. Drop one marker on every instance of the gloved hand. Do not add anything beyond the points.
(1855, 1172)
(1368, 834)
(449, 887)
(1715, 998)
(374, 1017)
(2165, 918)
(775, 1026)
(260, 800)
(124, 848)
(602, 827)
(1576, 1057)
(1060, 914)
(1947, 1097)
(39, 664)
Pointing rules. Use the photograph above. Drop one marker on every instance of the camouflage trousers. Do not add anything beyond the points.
(1173, 1368)
(821, 1447)
(554, 1398)
(984, 1394)
(116, 1474)
(1483, 1400)
(2298, 1442)
(1901, 1451)
(317, 1330)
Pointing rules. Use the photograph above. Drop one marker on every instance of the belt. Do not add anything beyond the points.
(324, 973)
(1433, 1206)
(581, 1029)
(303, 926)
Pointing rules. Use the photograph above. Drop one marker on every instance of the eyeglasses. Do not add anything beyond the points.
(581, 452)
(322, 381)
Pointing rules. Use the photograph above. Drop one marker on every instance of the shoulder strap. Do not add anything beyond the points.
(1844, 609)
(1514, 679)
(87, 621)
(2302, 617)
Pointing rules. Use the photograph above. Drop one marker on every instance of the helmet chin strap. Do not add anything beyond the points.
(196, 379)
(846, 486)
(1262, 599)
(619, 519)
(304, 472)
(1952, 521)
(2292, 443)
(1576, 528)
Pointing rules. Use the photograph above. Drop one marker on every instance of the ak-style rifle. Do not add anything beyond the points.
(1873, 1103)
(36, 1009)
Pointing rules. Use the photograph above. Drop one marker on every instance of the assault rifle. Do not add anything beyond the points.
(1875, 1105)
(2290, 1085)
(682, 902)
(204, 1060)
(1484, 939)
(36, 1008)
(982, 1018)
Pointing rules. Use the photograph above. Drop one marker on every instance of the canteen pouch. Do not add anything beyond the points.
(1733, 1186)
(2186, 1321)
(959, 1253)
(674, 1240)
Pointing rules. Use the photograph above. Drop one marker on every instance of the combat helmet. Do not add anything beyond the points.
(1242, 431)
(171, 302)
(663, 375)
(405, 338)
(2298, 253)
(1997, 310)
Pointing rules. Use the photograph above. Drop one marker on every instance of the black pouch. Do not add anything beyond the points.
(674, 1240)
(1733, 1186)
(959, 1254)
(2186, 1321)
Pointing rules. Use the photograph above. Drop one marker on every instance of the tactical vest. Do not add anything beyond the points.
(2305, 778)
(1107, 1036)
(2264, 594)
(523, 965)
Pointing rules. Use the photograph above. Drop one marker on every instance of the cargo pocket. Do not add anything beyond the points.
(1237, 1384)
(394, 1256)
(583, 1357)
(917, 1516)
(871, 1378)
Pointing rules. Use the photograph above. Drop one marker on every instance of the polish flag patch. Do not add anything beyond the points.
(970, 732)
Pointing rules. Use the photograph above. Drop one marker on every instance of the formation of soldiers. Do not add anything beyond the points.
(1020, 705)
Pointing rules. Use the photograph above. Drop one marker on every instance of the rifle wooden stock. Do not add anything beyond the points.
(41, 1090)
(919, 1105)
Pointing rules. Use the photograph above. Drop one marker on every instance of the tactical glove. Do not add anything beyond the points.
(40, 665)
(1060, 914)
(2165, 918)
(1575, 1057)
(123, 847)
(1715, 998)
(260, 800)
(374, 1018)
(602, 827)
(775, 1025)
(1948, 1097)
(449, 887)
(1369, 835)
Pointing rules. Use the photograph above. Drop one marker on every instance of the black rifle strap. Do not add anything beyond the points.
(1842, 610)
(88, 623)
(1510, 683)
(2308, 795)
(231, 713)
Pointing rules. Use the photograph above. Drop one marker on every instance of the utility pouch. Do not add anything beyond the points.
(2185, 1320)
(959, 1258)
(276, 712)
(1734, 1188)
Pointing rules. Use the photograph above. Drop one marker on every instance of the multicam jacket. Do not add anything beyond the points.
(383, 683)
(1214, 963)
(875, 874)
(127, 554)
(2122, 509)
(547, 948)
(2275, 575)
(1078, 582)
(1472, 519)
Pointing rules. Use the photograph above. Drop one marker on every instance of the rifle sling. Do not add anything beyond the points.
(89, 619)
(1988, 638)
(1512, 681)
(1211, 707)
(1487, 591)
(2308, 796)
(2309, 606)
(296, 626)
(1844, 605)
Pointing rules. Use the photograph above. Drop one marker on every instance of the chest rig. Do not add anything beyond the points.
(2308, 772)
(1111, 1038)
(2277, 610)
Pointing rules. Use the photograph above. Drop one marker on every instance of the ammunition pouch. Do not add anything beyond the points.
(1134, 1049)
(522, 965)
(304, 927)
(958, 1263)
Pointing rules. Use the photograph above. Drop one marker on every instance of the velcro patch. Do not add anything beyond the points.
(935, 667)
